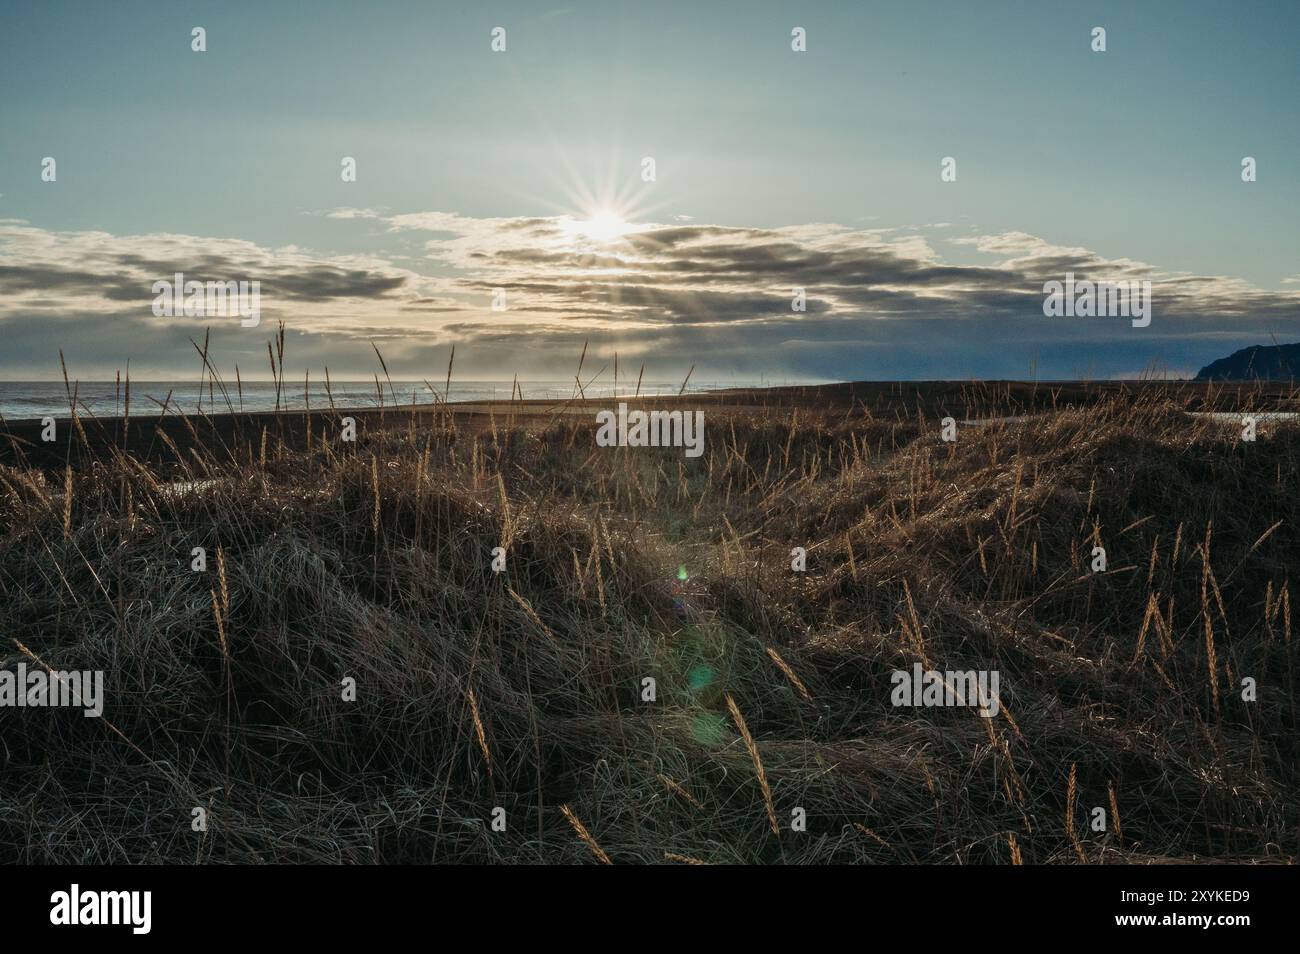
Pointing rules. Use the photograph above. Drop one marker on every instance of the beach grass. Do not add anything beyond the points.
(506, 716)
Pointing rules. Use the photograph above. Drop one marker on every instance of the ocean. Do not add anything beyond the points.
(32, 400)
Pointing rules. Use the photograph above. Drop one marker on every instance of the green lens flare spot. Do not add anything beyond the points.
(681, 572)
(707, 728)
(699, 678)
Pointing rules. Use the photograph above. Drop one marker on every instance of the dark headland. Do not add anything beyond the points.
(1256, 363)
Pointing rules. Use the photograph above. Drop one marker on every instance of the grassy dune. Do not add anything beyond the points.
(523, 689)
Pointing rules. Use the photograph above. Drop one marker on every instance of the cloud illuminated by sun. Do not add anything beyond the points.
(601, 226)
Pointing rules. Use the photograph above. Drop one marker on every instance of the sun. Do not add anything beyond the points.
(602, 225)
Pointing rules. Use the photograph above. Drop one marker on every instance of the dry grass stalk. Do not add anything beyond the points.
(739, 720)
(585, 835)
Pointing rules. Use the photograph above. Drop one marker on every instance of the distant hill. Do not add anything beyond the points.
(1268, 363)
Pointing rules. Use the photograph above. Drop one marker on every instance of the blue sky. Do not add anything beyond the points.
(1125, 162)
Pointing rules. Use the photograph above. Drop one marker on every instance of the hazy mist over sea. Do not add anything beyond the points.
(22, 400)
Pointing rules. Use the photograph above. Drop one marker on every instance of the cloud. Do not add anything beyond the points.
(62, 273)
(880, 300)
(347, 213)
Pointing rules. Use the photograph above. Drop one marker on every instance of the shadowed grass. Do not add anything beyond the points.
(524, 689)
